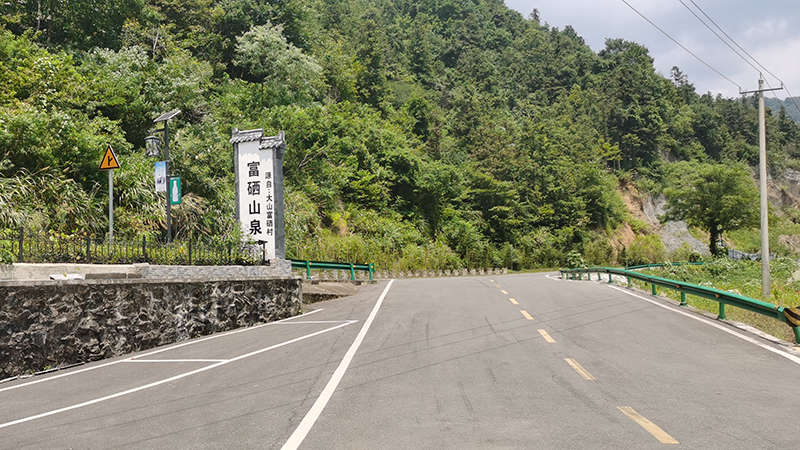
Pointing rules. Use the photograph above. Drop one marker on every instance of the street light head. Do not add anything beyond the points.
(152, 145)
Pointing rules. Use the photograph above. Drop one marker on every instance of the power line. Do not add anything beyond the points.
(791, 97)
(717, 35)
(730, 38)
(680, 45)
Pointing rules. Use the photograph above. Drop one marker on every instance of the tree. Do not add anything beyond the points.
(270, 59)
(714, 197)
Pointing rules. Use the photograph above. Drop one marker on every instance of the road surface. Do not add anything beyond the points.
(495, 362)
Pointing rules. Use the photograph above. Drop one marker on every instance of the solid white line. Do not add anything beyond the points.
(172, 347)
(173, 360)
(306, 322)
(168, 380)
(705, 320)
(311, 417)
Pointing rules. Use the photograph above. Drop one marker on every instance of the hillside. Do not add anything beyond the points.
(791, 107)
(436, 133)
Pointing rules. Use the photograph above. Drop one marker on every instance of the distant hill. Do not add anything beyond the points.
(792, 108)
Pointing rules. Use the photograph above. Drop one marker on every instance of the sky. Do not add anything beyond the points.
(769, 30)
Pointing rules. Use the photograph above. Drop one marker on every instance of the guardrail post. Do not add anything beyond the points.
(352, 272)
(683, 299)
(653, 288)
(721, 315)
(796, 335)
(308, 270)
(610, 278)
(371, 271)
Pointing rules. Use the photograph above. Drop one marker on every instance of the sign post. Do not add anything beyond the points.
(109, 163)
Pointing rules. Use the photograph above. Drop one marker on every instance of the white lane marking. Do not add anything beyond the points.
(703, 319)
(306, 322)
(167, 380)
(192, 342)
(174, 360)
(311, 417)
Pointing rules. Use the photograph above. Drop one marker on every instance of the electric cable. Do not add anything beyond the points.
(718, 36)
(680, 45)
(791, 97)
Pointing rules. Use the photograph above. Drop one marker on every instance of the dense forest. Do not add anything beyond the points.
(420, 133)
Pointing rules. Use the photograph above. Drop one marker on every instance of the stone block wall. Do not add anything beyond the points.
(54, 324)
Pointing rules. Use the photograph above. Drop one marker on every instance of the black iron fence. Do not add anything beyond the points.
(17, 246)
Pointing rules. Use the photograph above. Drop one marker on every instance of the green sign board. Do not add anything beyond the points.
(174, 190)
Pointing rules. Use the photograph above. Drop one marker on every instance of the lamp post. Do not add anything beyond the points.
(152, 149)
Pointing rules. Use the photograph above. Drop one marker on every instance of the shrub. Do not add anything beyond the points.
(645, 250)
(598, 252)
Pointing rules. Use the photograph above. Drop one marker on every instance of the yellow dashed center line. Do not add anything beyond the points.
(584, 373)
(504, 292)
(513, 301)
(547, 337)
(651, 428)
(527, 316)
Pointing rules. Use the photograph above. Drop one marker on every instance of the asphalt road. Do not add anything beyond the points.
(497, 362)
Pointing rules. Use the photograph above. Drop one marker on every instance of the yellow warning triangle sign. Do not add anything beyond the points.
(110, 160)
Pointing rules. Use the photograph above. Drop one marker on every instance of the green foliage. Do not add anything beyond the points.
(646, 249)
(638, 226)
(288, 75)
(598, 252)
(440, 133)
(685, 253)
(574, 259)
(7, 254)
(715, 197)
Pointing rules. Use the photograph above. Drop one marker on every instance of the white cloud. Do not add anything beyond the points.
(767, 28)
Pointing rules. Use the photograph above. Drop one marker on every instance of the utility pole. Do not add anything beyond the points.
(762, 179)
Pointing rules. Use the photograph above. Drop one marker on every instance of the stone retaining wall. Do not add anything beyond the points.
(48, 324)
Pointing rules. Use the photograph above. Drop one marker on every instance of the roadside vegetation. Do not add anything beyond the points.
(421, 135)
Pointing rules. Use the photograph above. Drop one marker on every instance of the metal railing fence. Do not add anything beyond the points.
(722, 297)
(86, 249)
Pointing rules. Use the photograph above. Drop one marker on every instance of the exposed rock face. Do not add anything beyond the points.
(52, 324)
(673, 233)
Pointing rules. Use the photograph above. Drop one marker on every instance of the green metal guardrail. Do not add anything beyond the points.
(323, 265)
(722, 297)
(675, 264)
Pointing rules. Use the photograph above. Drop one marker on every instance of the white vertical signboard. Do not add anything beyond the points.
(256, 185)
